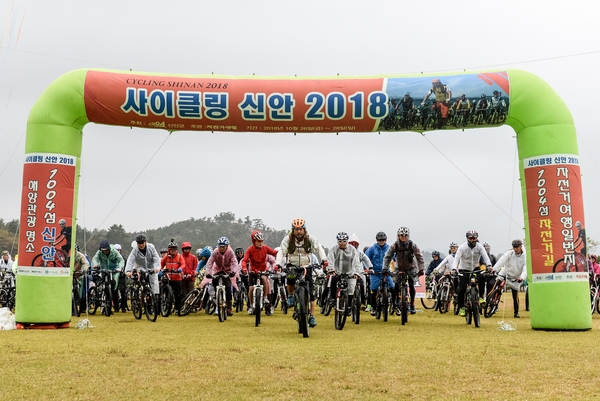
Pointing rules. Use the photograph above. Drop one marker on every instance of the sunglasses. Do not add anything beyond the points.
(472, 238)
(342, 242)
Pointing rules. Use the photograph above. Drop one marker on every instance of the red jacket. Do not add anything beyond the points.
(173, 263)
(257, 258)
(191, 262)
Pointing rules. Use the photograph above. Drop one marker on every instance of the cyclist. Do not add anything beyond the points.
(296, 249)
(463, 106)
(173, 265)
(376, 254)
(256, 256)
(442, 97)
(492, 257)
(189, 272)
(163, 252)
(435, 262)
(239, 254)
(408, 259)
(122, 283)
(445, 266)
(343, 259)
(467, 256)
(513, 266)
(65, 234)
(6, 262)
(365, 264)
(223, 260)
(144, 257)
(107, 257)
(203, 255)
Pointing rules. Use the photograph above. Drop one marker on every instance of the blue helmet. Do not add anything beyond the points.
(223, 241)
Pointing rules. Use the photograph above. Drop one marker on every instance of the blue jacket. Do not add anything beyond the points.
(376, 254)
(204, 253)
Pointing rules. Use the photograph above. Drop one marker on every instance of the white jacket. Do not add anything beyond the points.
(512, 266)
(469, 258)
(344, 260)
(446, 264)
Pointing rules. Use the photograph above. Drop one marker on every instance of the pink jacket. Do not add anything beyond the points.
(226, 262)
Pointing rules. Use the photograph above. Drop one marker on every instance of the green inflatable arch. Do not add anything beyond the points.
(546, 139)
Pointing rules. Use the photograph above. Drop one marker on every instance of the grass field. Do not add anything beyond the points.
(194, 357)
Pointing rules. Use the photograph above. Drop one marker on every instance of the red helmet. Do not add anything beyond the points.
(257, 236)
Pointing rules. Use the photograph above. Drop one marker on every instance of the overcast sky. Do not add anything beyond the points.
(439, 185)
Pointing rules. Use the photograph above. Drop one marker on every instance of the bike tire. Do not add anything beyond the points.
(593, 298)
(150, 307)
(284, 305)
(166, 301)
(257, 309)
(221, 309)
(11, 302)
(106, 301)
(136, 306)
(327, 307)
(443, 300)
(75, 302)
(356, 305)
(404, 306)
(429, 300)
(385, 304)
(188, 302)
(92, 301)
(303, 312)
(491, 304)
(476, 308)
(340, 311)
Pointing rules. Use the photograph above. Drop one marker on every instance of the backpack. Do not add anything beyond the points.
(407, 253)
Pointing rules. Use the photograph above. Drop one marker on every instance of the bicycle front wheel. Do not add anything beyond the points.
(283, 296)
(76, 301)
(356, 304)
(150, 307)
(188, 302)
(93, 301)
(385, 304)
(491, 304)
(404, 305)
(221, 308)
(443, 300)
(167, 299)
(302, 307)
(340, 311)
(136, 305)
(257, 307)
(429, 300)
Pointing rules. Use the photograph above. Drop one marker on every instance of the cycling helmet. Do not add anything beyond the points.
(517, 243)
(186, 245)
(463, 95)
(298, 223)
(163, 250)
(453, 245)
(172, 244)
(239, 251)
(435, 253)
(483, 96)
(380, 236)
(496, 92)
(403, 231)
(117, 247)
(406, 93)
(223, 241)
(486, 245)
(342, 237)
(435, 81)
(257, 236)
(472, 233)
(210, 248)
(104, 244)
(140, 238)
(62, 222)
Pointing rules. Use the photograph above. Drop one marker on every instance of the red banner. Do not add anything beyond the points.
(47, 197)
(234, 104)
(556, 224)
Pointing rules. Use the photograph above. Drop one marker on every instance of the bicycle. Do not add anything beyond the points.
(341, 301)
(75, 298)
(8, 290)
(198, 298)
(445, 293)
(327, 303)
(100, 296)
(472, 305)
(166, 296)
(431, 295)
(241, 296)
(220, 298)
(383, 299)
(403, 296)
(51, 256)
(493, 298)
(280, 294)
(258, 297)
(147, 296)
(577, 264)
(134, 297)
(594, 294)
(302, 298)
